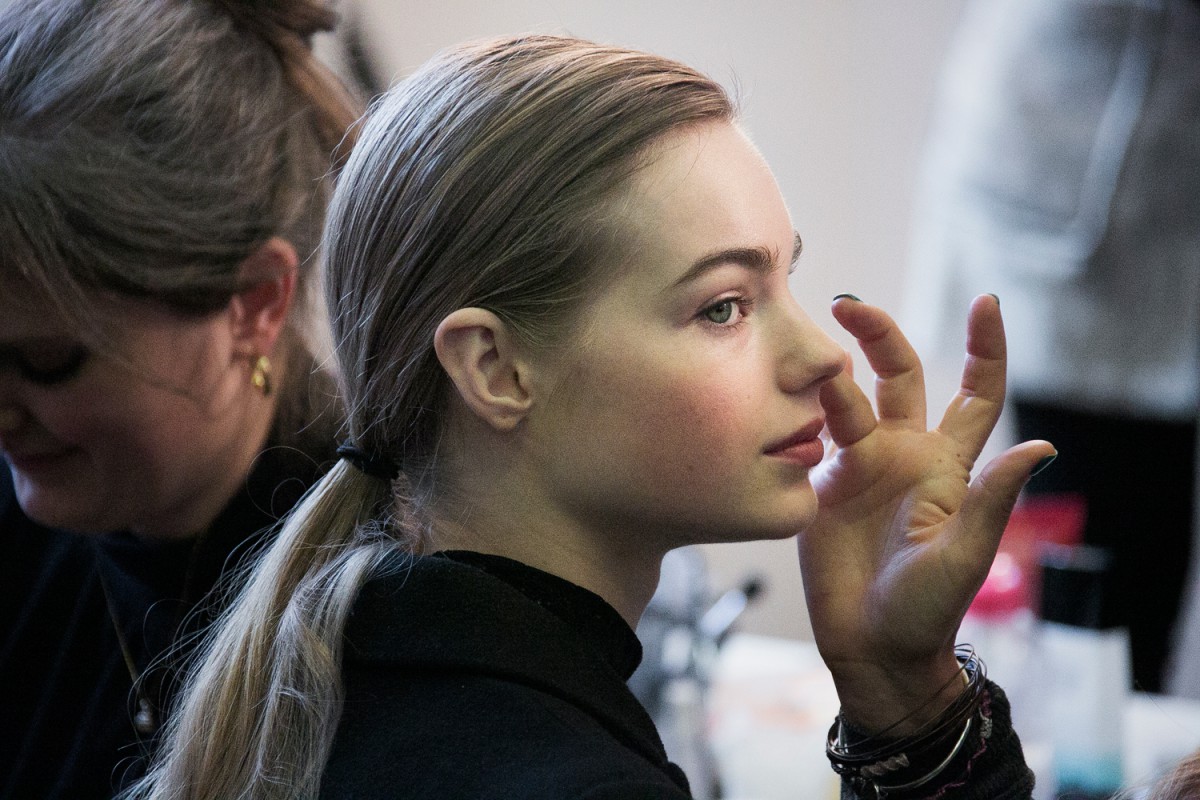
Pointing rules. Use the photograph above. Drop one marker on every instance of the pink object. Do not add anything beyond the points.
(1004, 591)
(1012, 582)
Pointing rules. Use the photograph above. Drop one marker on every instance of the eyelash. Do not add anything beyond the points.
(743, 305)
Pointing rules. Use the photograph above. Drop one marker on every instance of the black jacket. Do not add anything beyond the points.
(66, 705)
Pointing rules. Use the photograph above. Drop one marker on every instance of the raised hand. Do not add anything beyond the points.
(904, 538)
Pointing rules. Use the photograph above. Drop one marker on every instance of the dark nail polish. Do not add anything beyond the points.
(990, 294)
(847, 294)
(1041, 465)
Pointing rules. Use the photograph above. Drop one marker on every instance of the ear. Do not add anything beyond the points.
(486, 365)
(259, 310)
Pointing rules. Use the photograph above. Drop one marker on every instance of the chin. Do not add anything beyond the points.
(795, 515)
(784, 519)
(777, 532)
(50, 511)
(783, 527)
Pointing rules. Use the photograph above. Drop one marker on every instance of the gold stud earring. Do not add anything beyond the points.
(260, 376)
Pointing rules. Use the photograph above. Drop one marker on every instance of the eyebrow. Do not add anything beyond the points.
(758, 259)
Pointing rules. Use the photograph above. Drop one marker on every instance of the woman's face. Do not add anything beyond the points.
(689, 406)
(141, 438)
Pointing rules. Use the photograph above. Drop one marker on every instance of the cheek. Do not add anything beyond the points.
(687, 424)
(141, 411)
(702, 422)
(110, 423)
(79, 414)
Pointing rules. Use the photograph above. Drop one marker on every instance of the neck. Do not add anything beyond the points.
(625, 580)
(503, 504)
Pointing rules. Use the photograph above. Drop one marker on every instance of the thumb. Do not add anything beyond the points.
(993, 494)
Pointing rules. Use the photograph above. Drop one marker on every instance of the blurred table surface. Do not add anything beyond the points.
(771, 702)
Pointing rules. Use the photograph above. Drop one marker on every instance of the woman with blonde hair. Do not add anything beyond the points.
(558, 282)
(164, 171)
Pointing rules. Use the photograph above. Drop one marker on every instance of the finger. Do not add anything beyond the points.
(900, 380)
(848, 413)
(993, 494)
(826, 436)
(975, 408)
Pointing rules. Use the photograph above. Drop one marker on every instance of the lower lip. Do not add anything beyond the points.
(808, 452)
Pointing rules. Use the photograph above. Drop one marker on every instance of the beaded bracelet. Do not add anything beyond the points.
(917, 759)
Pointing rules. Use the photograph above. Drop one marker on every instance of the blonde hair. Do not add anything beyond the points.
(1181, 783)
(147, 147)
(486, 179)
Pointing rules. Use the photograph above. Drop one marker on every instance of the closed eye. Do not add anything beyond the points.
(46, 364)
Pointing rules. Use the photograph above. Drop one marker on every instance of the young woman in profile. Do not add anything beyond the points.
(164, 172)
(558, 279)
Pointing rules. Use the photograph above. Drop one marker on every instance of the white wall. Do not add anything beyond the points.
(835, 93)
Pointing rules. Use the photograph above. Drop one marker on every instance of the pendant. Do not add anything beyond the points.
(145, 721)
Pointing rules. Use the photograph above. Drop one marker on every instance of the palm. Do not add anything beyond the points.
(881, 556)
(903, 538)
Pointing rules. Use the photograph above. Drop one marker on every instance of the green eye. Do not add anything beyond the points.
(720, 313)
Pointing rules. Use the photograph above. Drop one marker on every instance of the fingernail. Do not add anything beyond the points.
(847, 294)
(1041, 465)
(995, 296)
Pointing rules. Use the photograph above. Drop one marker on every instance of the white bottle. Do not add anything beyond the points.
(1085, 651)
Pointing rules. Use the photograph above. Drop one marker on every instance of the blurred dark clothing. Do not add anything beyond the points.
(1113, 461)
(68, 703)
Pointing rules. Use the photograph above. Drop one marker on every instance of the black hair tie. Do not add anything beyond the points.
(380, 467)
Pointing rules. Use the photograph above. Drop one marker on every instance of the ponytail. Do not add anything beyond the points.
(269, 676)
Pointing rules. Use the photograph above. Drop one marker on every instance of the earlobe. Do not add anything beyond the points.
(259, 310)
(484, 362)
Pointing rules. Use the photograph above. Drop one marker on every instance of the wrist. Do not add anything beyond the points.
(893, 701)
(885, 764)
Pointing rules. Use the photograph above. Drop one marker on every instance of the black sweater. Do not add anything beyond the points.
(66, 705)
(472, 676)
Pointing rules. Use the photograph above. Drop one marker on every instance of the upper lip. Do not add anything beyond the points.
(810, 431)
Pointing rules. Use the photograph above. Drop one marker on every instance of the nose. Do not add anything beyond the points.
(808, 356)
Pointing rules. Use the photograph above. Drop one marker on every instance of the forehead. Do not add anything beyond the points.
(705, 189)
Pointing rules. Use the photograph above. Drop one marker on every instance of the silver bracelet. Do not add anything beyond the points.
(881, 791)
(865, 766)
